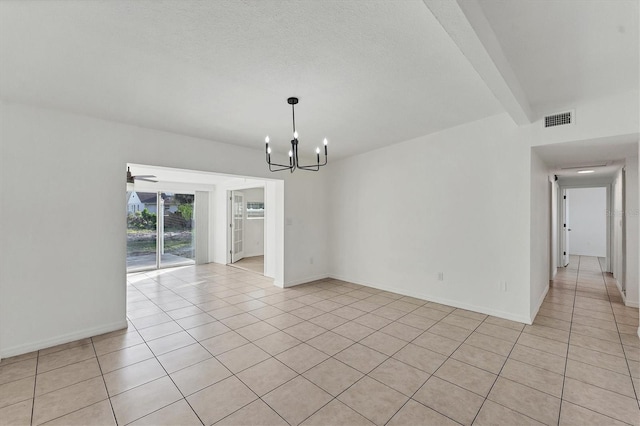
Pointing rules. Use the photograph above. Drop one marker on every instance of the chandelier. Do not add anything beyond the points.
(294, 163)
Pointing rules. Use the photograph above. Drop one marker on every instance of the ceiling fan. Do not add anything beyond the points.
(132, 179)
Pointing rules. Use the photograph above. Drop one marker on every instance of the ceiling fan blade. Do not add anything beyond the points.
(145, 179)
(144, 176)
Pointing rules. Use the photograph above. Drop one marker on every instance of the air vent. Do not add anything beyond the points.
(560, 119)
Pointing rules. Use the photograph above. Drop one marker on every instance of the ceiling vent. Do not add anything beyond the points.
(560, 119)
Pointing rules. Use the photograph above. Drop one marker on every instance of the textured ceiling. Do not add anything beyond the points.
(368, 73)
(568, 51)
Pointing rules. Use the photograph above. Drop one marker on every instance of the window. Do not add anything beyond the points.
(255, 210)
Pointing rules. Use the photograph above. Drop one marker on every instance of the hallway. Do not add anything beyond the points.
(585, 330)
(213, 344)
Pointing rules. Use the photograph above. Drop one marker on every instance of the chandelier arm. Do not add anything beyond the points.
(280, 169)
(279, 165)
(314, 167)
(268, 158)
(282, 166)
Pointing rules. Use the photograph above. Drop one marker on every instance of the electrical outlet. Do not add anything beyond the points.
(440, 276)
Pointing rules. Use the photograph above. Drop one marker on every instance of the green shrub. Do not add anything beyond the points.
(142, 220)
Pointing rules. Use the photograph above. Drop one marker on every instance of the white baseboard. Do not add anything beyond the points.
(456, 304)
(305, 280)
(630, 303)
(59, 340)
(625, 299)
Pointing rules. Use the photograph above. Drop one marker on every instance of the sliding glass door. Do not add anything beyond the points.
(159, 230)
(142, 233)
(176, 238)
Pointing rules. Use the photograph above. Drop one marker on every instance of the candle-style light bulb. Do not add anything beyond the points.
(290, 153)
(325, 142)
(295, 134)
(317, 150)
(266, 140)
(269, 150)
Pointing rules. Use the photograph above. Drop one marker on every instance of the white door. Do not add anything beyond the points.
(565, 229)
(237, 227)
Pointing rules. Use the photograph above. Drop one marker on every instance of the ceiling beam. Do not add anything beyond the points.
(468, 27)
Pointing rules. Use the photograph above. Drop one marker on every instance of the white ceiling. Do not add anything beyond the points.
(368, 73)
(565, 159)
(568, 51)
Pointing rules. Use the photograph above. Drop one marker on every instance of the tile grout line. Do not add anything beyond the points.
(104, 382)
(165, 370)
(436, 370)
(566, 360)
(633, 386)
(580, 380)
(496, 380)
(73, 384)
(35, 381)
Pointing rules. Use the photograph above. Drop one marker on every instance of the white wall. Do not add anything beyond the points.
(455, 202)
(613, 115)
(587, 221)
(63, 274)
(202, 218)
(220, 226)
(617, 218)
(632, 208)
(539, 232)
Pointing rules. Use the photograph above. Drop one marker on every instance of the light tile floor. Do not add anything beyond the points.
(253, 263)
(216, 345)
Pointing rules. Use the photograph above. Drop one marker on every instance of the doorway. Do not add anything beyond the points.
(211, 216)
(247, 229)
(585, 224)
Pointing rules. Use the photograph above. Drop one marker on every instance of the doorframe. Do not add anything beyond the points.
(230, 221)
(562, 228)
(273, 227)
(609, 225)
